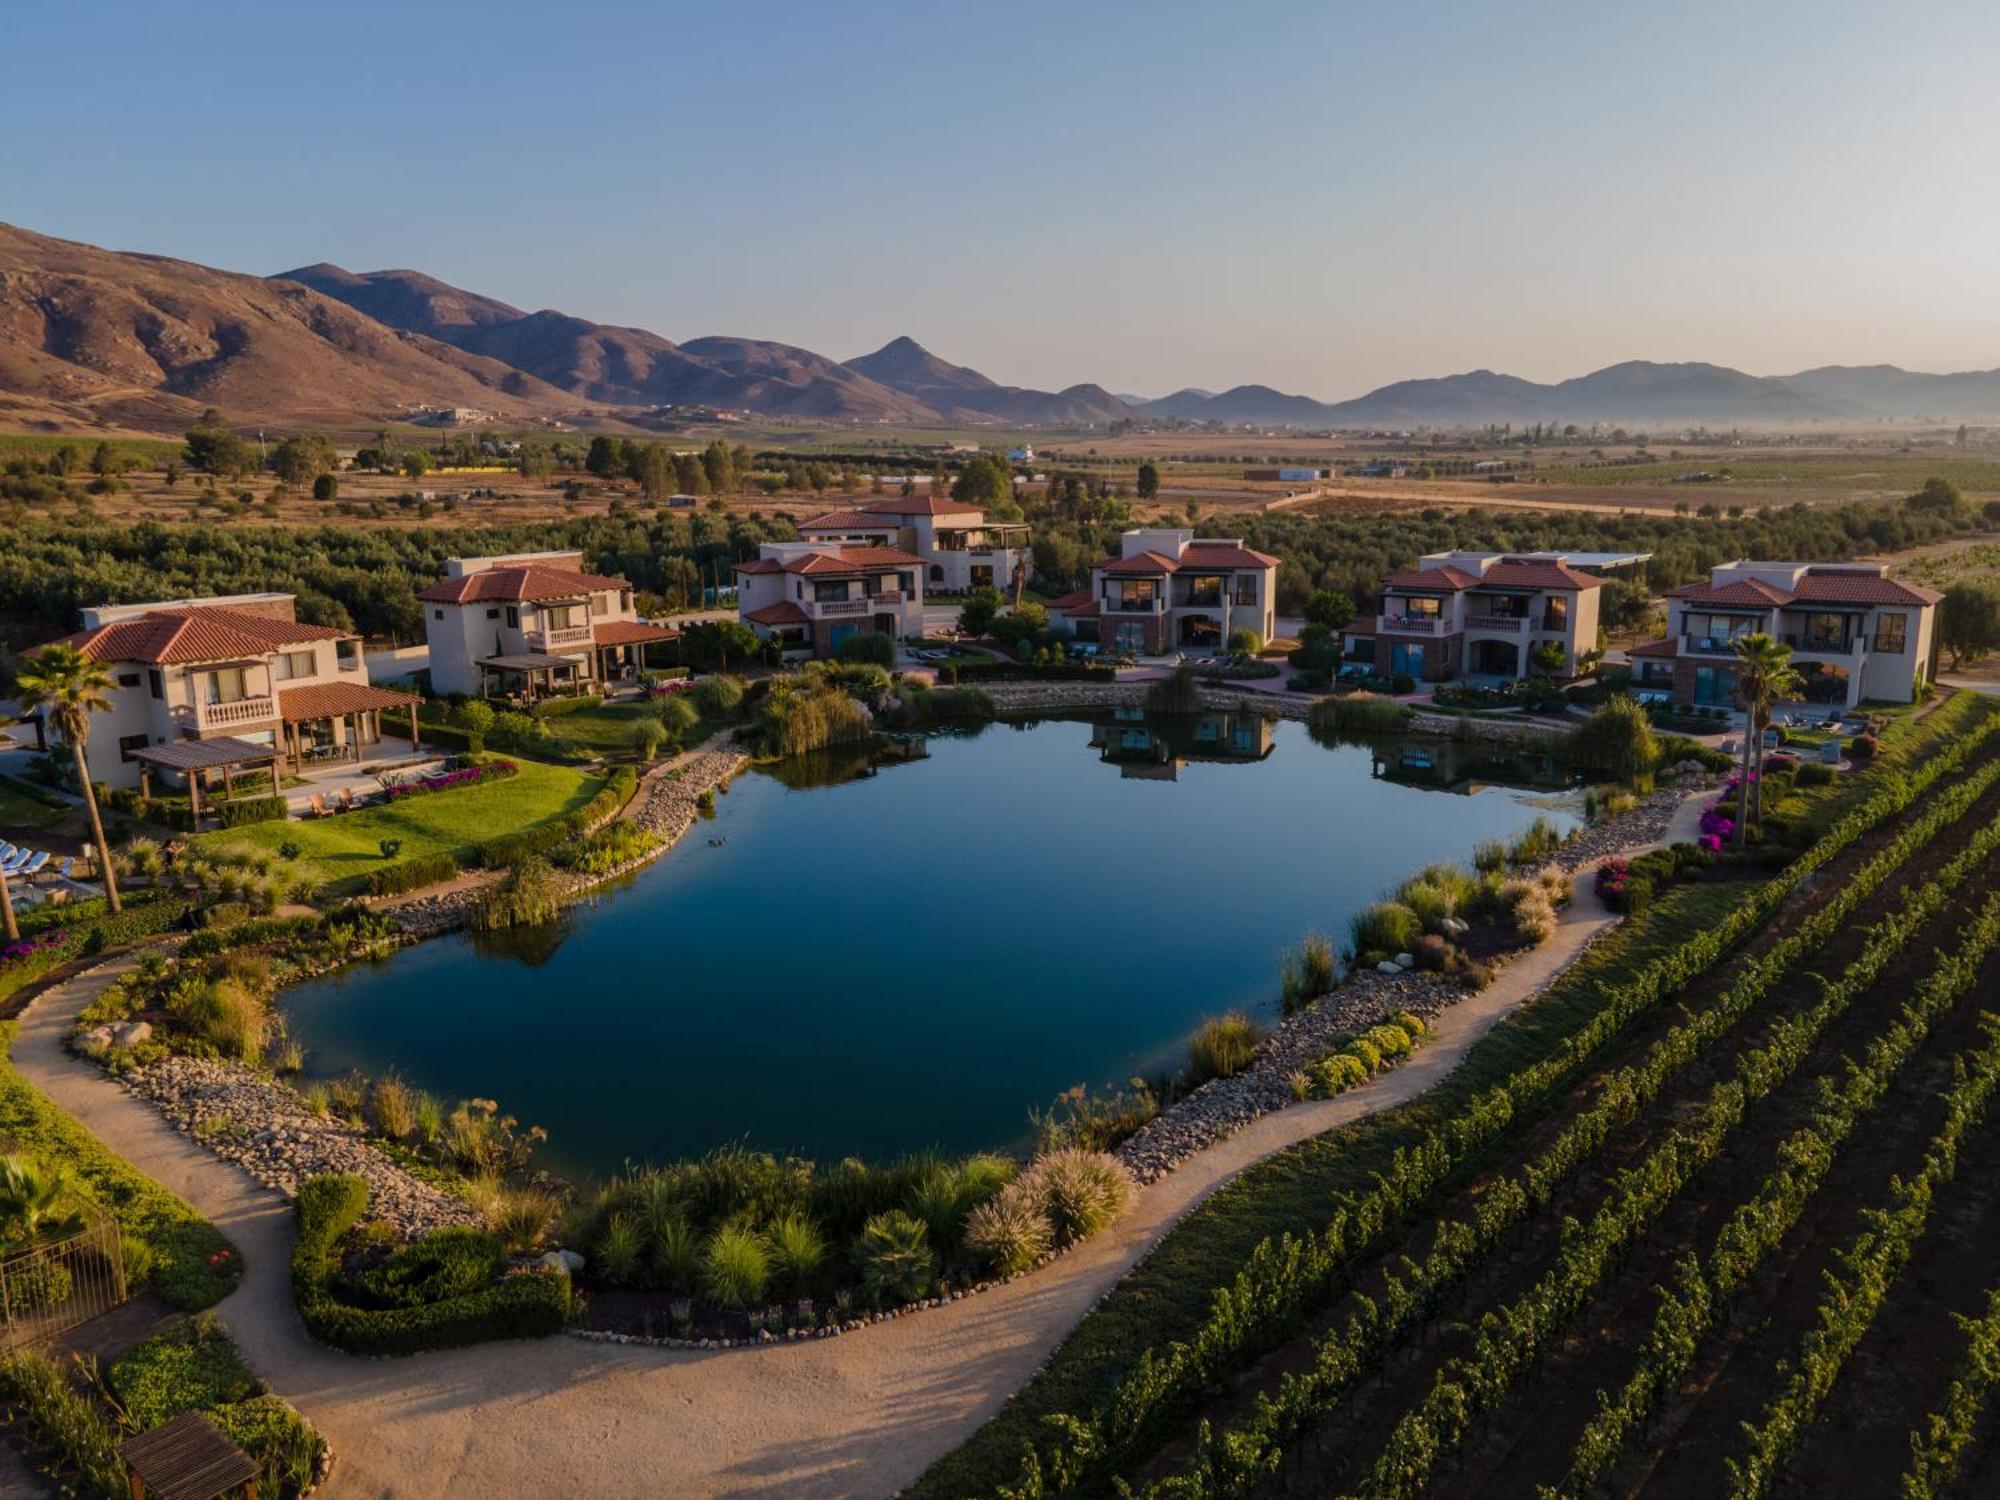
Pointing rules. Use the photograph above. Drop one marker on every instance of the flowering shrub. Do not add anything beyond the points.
(464, 774)
(29, 946)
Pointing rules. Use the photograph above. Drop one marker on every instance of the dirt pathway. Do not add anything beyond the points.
(860, 1415)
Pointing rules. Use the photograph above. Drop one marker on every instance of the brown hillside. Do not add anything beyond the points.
(141, 340)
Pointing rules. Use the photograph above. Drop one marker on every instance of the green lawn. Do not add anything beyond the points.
(20, 811)
(599, 727)
(348, 847)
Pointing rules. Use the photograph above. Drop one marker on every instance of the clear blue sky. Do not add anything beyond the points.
(1322, 197)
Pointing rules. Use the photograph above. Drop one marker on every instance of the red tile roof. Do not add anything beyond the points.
(326, 700)
(630, 633)
(1750, 593)
(846, 520)
(1200, 554)
(1363, 626)
(527, 583)
(850, 560)
(1860, 588)
(760, 565)
(1142, 564)
(1443, 580)
(922, 505)
(1073, 600)
(190, 633)
(1090, 611)
(1539, 575)
(784, 612)
(1664, 647)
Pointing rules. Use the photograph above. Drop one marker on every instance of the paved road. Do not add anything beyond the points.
(861, 1415)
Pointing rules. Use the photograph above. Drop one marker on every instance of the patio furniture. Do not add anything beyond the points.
(187, 1459)
(347, 799)
(63, 869)
(319, 807)
(11, 865)
(36, 864)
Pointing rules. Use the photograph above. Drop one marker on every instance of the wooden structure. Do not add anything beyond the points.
(353, 713)
(538, 673)
(48, 1289)
(187, 1459)
(194, 759)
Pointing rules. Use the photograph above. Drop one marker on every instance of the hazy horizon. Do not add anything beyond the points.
(1320, 199)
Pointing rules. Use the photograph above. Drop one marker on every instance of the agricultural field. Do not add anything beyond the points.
(1718, 1215)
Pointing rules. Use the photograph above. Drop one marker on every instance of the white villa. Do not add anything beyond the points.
(1484, 613)
(533, 621)
(958, 548)
(224, 684)
(811, 597)
(1854, 631)
(1169, 590)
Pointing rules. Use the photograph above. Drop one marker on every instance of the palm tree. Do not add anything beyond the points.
(1763, 674)
(69, 687)
(7, 909)
(31, 1199)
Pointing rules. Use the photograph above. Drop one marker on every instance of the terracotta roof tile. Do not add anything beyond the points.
(1666, 646)
(1538, 575)
(922, 505)
(846, 520)
(850, 560)
(1200, 554)
(517, 585)
(1363, 626)
(1140, 565)
(1075, 599)
(326, 700)
(759, 565)
(784, 612)
(192, 633)
(1444, 580)
(1750, 593)
(630, 633)
(1860, 588)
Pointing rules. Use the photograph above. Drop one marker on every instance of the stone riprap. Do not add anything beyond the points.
(267, 1129)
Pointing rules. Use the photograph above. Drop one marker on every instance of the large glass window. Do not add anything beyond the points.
(1825, 632)
(226, 685)
(1133, 594)
(1204, 592)
(1889, 632)
(1555, 612)
(1246, 588)
(827, 593)
(289, 664)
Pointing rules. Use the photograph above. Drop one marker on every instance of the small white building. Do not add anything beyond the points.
(533, 621)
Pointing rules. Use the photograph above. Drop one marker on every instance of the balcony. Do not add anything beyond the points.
(1411, 624)
(1134, 606)
(1707, 645)
(1509, 624)
(561, 635)
(233, 715)
(1825, 645)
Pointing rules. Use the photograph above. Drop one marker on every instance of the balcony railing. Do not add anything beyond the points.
(826, 607)
(1133, 606)
(562, 635)
(1412, 624)
(887, 596)
(1514, 624)
(1707, 645)
(1824, 645)
(228, 715)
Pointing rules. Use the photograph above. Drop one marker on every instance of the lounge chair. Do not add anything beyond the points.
(319, 807)
(63, 869)
(36, 865)
(347, 799)
(11, 865)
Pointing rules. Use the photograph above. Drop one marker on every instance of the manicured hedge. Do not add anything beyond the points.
(412, 874)
(1020, 671)
(178, 812)
(532, 1304)
(87, 927)
(448, 737)
(251, 810)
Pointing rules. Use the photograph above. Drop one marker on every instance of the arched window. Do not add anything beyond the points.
(937, 573)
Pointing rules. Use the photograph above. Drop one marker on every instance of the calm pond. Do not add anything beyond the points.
(920, 956)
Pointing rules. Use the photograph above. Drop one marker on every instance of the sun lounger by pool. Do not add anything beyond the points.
(36, 864)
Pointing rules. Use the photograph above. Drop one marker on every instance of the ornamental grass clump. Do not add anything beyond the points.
(1305, 972)
(1080, 1192)
(620, 1249)
(1383, 930)
(1222, 1048)
(894, 1258)
(798, 1250)
(1010, 1231)
(736, 1267)
(392, 1108)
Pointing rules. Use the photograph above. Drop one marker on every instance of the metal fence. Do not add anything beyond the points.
(52, 1288)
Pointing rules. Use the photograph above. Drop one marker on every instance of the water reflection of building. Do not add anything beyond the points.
(1466, 765)
(1154, 747)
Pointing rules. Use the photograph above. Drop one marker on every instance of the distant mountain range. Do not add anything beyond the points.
(92, 337)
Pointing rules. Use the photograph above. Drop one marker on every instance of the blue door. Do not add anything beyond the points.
(1406, 659)
(840, 634)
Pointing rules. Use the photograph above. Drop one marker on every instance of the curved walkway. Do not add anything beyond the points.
(861, 1415)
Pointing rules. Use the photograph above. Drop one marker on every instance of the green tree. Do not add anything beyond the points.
(1149, 480)
(1969, 621)
(105, 462)
(690, 474)
(33, 1200)
(718, 462)
(606, 458)
(1764, 674)
(302, 458)
(67, 687)
(657, 472)
(536, 460)
(1938, 496)
(1617, 740)
(984, 481)
(212, 448)
(326, 487)
(1330, 608)
(980, 609)
(416, 463)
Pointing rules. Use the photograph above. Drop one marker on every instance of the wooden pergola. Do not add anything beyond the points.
(187, 1459)
(194, 759)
